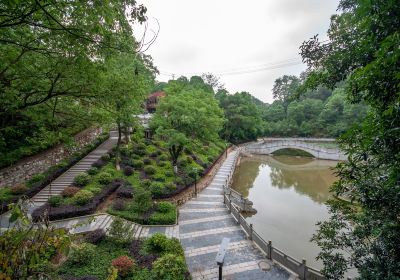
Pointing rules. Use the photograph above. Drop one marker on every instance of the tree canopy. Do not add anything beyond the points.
(363, 50)
(54, 55)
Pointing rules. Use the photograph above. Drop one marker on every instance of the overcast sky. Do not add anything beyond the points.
(225, 36)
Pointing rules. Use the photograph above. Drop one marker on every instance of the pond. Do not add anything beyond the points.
(289, 194)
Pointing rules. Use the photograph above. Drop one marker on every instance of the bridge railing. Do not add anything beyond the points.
(233, 200)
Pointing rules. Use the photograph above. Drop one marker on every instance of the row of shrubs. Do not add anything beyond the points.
(39, 181)
(87, 204)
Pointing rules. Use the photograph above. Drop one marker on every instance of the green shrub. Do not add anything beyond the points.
(55, 201)
(169, 173)
(105, 157)
(82, 180)
(92, 171)
(170, 267)
(164, 207)
(179, 181)
(170, 187)
(35, 179)
(163, 157)
(142, 274)
(83, 197)
(150, 170)
(81, 254)
(159, 244)
(159, 178)
(210, 159)
(120, 230)
(137, 164)
(156, 189)
(145, 183)
(142, 199)
(162, 218)
(104, 178)
(161, 163)
(189, 160)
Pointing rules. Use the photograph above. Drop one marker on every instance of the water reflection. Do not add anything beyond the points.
(288, 194)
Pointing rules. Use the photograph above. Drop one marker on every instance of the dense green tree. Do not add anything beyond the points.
(363, 49)
(284, 88)
(52, 53)
(244, 122)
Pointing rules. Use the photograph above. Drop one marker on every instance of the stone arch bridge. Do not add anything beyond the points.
(320, 148)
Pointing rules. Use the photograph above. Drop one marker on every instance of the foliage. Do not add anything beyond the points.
(81, 253)
(363, 50)
(82, 180)
(143, 200)
(170, 267)
(244, 122)
(165, 206)
(123, 264)
(92, 171)
(104, 178)
(48, 96)
(120, 230)
(24, 249)
(55, 200)
(150, 170)
(194, 113)
(82, 197)
(99, 264)
(159, 244)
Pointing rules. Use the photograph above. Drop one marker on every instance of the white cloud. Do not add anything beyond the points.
(220, 35)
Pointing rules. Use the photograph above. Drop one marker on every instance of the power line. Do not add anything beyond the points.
(244, 70)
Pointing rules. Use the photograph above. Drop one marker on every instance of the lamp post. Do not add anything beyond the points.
(195, 180)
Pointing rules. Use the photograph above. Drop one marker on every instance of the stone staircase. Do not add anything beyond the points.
(66, 179)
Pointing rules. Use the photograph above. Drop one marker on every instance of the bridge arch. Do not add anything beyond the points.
(270, 145)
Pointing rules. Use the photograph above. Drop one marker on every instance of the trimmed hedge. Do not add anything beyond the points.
(55, 171)
(69, 211)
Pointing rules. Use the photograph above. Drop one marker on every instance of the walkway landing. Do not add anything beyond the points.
(205, 221)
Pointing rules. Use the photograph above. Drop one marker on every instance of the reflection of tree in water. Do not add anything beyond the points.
(313, 183)
(245, 174)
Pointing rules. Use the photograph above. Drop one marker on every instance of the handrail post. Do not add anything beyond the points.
(251, 232)
(230, 206)
(269, 250)
(303, 270)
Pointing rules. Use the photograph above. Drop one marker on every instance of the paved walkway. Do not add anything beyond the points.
(103, 221)
(205, 221)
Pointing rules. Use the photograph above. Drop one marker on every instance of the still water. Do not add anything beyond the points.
(289, 194)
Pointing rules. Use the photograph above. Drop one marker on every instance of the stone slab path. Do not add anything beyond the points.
(103, 221)
(205, 221)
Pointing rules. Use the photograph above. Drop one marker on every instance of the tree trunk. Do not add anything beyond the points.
(117, 156)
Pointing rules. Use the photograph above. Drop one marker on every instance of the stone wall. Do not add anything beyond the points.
(27, 167)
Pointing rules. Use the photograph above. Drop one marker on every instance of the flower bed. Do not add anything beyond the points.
(39, 181)
(157, 257)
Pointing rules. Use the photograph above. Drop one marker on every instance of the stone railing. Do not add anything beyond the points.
(270, 145)
(236, 205)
